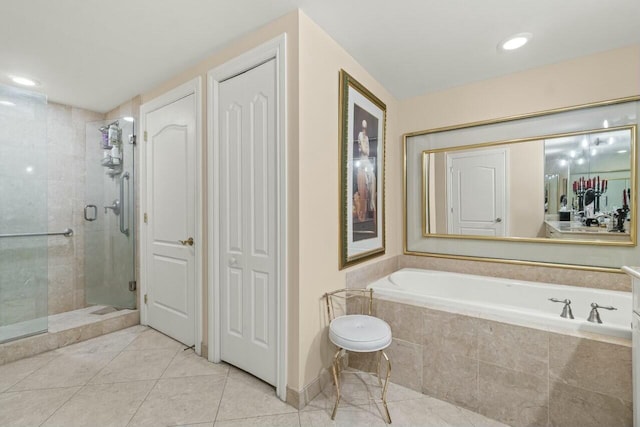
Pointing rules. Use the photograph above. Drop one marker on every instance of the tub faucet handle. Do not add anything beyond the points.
(594, 316)
(566, 310)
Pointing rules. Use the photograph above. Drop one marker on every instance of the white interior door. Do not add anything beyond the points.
(171, 211)
(477, 192)
(247, 238)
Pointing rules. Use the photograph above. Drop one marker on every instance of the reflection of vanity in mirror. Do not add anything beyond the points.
(574, 187)
(588, 185)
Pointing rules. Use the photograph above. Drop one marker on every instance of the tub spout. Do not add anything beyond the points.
(566, 310)
(594, 316)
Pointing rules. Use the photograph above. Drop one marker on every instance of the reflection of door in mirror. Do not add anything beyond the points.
(476, 193)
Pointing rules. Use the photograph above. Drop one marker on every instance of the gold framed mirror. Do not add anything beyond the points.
(561, 128)
(572, 187)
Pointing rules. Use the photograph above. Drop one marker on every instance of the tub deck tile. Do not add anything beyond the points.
(591, 365)
(514, 347)
(513, 397)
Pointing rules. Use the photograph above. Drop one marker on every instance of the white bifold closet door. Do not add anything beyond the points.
(247, 174)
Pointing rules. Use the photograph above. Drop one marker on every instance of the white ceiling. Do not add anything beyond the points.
(97, 54)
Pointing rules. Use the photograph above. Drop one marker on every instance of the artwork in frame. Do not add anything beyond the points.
(362, 152)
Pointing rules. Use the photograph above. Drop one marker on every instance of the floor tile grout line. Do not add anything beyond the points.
(83, 386)
(224, 388)
(33, 372)
(59, 352)
(144, 399)
(63, 403)
(152, 387)
(80, 388)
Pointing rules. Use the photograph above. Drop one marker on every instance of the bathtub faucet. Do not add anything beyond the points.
(566, 310)
(594, 316)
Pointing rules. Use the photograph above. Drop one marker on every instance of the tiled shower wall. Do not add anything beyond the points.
(66, 154)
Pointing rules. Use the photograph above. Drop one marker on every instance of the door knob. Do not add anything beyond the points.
(188, 242)
(498, 219)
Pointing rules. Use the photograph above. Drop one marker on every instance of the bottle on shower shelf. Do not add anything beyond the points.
(114, 134)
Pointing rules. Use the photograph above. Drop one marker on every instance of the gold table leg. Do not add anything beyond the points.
(386, 383)
(336, 381)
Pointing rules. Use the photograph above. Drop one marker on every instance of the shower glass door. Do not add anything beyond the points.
(23, 210)
(109, 214)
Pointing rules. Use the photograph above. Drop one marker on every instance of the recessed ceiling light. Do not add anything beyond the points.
(594, 151)
(7, 103)
(24, 81)
(128, 119)
(514, 42)
(580, 161)
(605, 123)
(611, 140)
(585, 142)
(572, 153)
(621, 151)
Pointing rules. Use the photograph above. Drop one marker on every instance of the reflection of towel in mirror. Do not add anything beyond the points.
(589, 210)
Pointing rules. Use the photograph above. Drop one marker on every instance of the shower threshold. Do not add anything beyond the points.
(69, 328)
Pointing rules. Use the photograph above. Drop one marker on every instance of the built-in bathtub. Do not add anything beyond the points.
(512, 301)
(499, 347)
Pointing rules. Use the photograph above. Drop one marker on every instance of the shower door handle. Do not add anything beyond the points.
(124, 212)
(86, 213)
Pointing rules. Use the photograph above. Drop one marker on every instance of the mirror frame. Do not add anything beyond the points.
(441, 253)
(633, 174)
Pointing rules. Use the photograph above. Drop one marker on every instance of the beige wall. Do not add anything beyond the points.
(607, 75)
(321, 59)
(526, 189)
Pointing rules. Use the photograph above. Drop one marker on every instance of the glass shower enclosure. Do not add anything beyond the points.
(96, 200)
(23, 213)
(109, 214)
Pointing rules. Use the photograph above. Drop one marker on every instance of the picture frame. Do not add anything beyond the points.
(362, 140)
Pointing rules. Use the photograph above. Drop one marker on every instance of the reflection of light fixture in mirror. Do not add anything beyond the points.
(594, 151)
(572, 153)
(585, 142)
(128, 119)
(358, 163)
(563, 162)
(580, 161)
(7, 103)
(621, 151)
(514, 42)
(605, 124)
(29, 169)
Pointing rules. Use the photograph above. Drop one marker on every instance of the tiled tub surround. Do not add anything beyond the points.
(518, 375)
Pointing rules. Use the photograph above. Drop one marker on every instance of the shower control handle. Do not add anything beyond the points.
(86, 212)
(115, 207)
(188, 242)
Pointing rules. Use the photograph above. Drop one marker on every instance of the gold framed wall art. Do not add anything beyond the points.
(362, 129)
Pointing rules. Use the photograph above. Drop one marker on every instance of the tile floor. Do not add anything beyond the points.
(139, 377)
